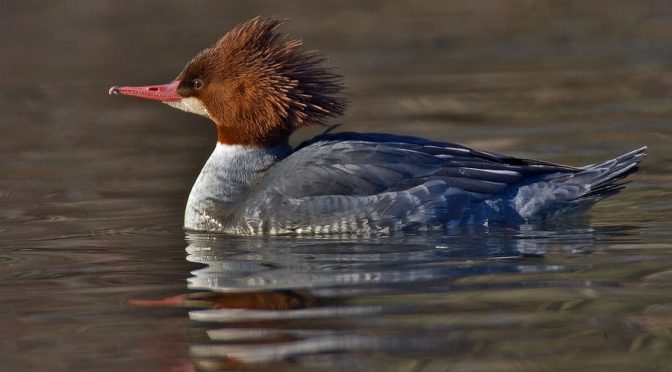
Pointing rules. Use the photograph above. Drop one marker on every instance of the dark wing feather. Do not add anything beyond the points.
(347, 178)
(348, 168)
(365, 164)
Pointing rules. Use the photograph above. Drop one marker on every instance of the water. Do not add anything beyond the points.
(96, 273)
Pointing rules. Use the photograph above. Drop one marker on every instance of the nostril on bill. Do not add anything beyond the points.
(153, 89)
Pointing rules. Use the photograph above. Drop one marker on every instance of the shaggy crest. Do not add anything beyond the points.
(259, 86)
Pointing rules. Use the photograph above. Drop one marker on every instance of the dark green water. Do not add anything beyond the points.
(96, 273)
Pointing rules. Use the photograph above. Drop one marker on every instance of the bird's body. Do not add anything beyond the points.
(254, 183)
(370, 183)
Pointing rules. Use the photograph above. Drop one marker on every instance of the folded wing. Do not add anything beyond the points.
(362, 182)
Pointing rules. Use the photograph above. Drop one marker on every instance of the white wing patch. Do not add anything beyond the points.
(495, 171)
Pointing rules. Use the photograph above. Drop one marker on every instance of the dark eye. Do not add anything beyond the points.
(197, 84)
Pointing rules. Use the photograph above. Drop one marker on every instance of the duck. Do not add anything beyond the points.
(259, 86)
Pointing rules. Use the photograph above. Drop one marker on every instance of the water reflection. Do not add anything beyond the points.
(268, 300)
(341, 266)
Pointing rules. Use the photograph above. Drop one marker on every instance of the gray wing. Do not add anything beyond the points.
(361, 182)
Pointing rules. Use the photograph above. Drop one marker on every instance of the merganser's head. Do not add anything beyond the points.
(258, 86)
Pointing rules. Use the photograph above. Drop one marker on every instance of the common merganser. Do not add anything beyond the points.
(259, 86)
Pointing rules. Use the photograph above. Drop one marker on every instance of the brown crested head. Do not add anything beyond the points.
(259, 86)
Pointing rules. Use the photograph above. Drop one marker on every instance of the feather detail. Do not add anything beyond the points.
(259, 86)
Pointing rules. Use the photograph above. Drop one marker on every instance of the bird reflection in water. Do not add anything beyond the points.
(293, 299)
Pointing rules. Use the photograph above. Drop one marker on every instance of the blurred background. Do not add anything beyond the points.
(92, 187)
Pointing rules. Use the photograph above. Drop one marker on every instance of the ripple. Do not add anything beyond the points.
(241, 315)
(256, 354)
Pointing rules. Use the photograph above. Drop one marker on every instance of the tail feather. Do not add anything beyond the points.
(605, 179)
(568, 192)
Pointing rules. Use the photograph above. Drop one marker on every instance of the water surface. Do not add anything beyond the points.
(96, 273)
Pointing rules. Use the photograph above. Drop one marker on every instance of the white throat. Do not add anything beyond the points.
(191, 104)
(225, 180)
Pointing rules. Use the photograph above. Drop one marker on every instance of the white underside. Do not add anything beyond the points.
(225, 178)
